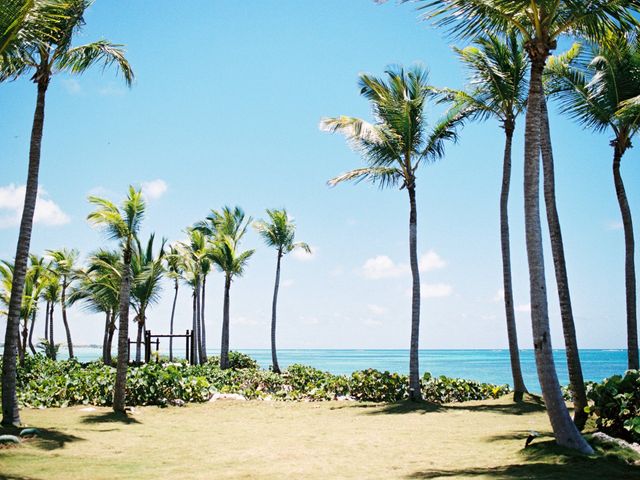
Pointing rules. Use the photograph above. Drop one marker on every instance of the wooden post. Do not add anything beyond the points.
(157, 350)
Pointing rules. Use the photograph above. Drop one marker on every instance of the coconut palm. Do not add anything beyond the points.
(51, 295)
(278, 232)
(498, 89)
(598, 87)
(121, 224)
(52, 54)
(540, 23)
(64, 262)
(174, 270)
(394, 147)
(37, 270)
(147, 273)
(225, 229)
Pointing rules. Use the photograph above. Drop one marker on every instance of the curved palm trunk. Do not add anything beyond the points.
(274, 355)
(512, 332)
(33, 323)
(173, 314)
(629, 264)
(10, 412)
(564, 429)
(105, 337)
(119, 391)
(224, 344)
(415, 392)
(203, 329)
(579, 394)
(112, 329)
(63, 305)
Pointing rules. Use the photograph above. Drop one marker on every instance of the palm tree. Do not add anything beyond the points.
(64, 263)
(394, 147)
(498, 89)
(51, 295)
(175, 270)
(279, 232)
(121, 224)
(52, 54)
(599, 89)
(37, 271)
(226, 229)
(99, 289)
(540, 23)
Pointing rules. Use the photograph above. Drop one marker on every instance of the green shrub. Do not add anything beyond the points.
(237, 361)
(447, 390)
(375, 386)
(616, 405)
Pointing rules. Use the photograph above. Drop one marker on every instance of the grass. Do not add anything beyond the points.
(303, 440)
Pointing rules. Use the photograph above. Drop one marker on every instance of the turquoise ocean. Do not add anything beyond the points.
(490, 366)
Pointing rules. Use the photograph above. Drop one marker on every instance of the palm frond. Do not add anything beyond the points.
(79, 59)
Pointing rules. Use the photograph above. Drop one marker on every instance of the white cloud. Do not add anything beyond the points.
(371, 323)
(337, 272)
(376, 309)
(302, 255)
(499, 296)
(287, 283)
(524, 308)
(431, 261)
(12, 201)
(243, 321)
(112, 91)
(381, 266)
(615, 225)
(72, 86)
(154, 189)
(435, 290)
(309, 320)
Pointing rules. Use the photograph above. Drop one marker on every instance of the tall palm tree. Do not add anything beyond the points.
(394, 147)
(226, 229)
(278, 232)
(147, 272)
(498, 89)
(175, 270)
(540, 23)
(52, 54)
(51, 295)
(37, 270)
(64, 262)
(599, 88)
(121, 224)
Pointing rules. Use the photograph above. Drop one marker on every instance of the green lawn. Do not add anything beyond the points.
(301, 440)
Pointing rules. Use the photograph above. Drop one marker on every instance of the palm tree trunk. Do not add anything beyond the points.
(512, 332)
(199, 321)
(274, 355)
(224, 344)
(10, 411)
(629, 264)
(105, 337)
(112, 329)
(203, 329)
(52, 344)
(119, 391)
(63, 305)
(415, 392)
(22, 343)
(193, 348)
(574, 366)
(173, 314)
(140, 322)
(564, 429)
(33, 324)
(46, 322)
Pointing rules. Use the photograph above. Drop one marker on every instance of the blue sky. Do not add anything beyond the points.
(225, 111)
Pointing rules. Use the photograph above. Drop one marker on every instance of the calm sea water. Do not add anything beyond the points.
(490, 366)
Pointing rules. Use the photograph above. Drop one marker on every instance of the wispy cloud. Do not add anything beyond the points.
(72, 86)
(524, 308)
(12, 201)
(499, 296)
(382, 266)
(614, 225)
(431, 261)
(435, 290)
(376, 309)
(302, 256)
(369, 322)
(112, 90)
(288, 283)
(154, 189)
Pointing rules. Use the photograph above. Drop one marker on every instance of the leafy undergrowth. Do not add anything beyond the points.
(45, 383)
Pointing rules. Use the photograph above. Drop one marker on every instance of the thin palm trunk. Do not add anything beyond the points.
(415, 392)
(105, 337)
(194, 336)
(274, 355)
(33, 324)
(512, 332)
(10, 411)
(574, 366)
(629, 264)
(51, 341)
(46, 321)
(112, 329)
(564, 429)
(119, 391)
(173, 314)
(199, 321)
(25, 335)
(203, 329)
(140, 322)
(63, 305)
(224, 344)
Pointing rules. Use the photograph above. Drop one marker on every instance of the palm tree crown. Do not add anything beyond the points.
(280, 232)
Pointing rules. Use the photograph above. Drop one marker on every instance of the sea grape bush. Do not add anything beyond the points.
(45, 383)
(616, 405)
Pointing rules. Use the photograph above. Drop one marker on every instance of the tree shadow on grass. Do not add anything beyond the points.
(531, 404)
(4, 476)
(47, 438)
(109, 417)
(546, 460)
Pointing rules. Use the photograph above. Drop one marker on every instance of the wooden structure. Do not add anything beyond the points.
(154, 340)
